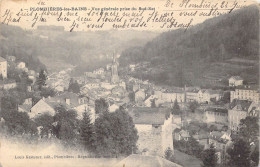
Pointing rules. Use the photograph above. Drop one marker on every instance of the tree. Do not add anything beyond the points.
(116, 134)
(41, 80)
(176, 108)
(168, 154)
(74, 86)
(19, 123)
(101, 106)
(87, 132)
(249, 129)
(67, 125)
(46, 121)
(209, 157)
(193, 106)
(239, 154)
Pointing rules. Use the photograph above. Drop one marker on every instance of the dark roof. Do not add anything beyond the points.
(242, 104)
(2, 59)
(147, 115)
(135, 160)
(219, 110)
(248, 87)
(236, 78)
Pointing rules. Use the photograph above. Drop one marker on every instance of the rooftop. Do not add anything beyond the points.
(150, 116)
(2, 59)
(236, 78)
(242, 104)
(220, 110)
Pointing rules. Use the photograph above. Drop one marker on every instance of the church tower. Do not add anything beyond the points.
(114, 71)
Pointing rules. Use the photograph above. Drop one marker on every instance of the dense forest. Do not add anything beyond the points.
(17, 42)
(58, 49)
(215, 49)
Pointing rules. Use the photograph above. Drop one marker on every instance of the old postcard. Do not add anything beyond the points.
(129, 83)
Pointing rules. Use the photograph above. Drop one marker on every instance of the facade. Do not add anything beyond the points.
(154, 126)
(3, 67)
(217, 115)
(235, 81)
(221, 141)
(114, 71)
(240, 109)
(208, 95)
(246, 93)
(139, 95)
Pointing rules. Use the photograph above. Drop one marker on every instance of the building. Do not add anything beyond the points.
(43, 106)
(99, 71)
(154, 127)
(3, 67)
(216, 115)
(221, 141)
(235, 81)
(114, 71)
(247, 92)
(209, 95)
(192, 95)
(21, 65)
(180, 134)
(240, 109)
(139, 95)
(11, 58)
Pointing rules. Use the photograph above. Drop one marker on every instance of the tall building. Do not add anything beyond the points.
(114, 71)
(3, 67)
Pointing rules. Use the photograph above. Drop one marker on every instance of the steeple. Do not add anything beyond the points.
(114, 71)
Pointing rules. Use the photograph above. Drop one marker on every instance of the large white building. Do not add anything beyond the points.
(235, 81)
(240, 109)
(245, 93)
(3, 67)
(154, 127)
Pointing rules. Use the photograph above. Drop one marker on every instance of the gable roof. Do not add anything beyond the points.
(149, 116)
(135, 160)
(236, 78)
(219, 110)
(242, 104)
(2, 59)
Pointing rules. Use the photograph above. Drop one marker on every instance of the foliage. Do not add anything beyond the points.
(239, 154)
(41, 80)
(74, 86)
(101, 106)
(209, 157)
(19, 123)
(180, 49)
(176, 108)
(87, 132)
(66, 128)
(169, 155)
(46, 92)
(193, 106)
(191, 147)
(249, 129)
(115, 134)
(46, 121)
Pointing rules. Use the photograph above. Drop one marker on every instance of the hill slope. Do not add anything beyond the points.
(208, 52)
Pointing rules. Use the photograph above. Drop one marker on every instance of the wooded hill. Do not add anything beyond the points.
(208, 52)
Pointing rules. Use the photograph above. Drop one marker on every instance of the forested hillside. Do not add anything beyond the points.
(213, 50)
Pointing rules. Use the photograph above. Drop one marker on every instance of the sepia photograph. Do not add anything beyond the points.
(161, 83)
